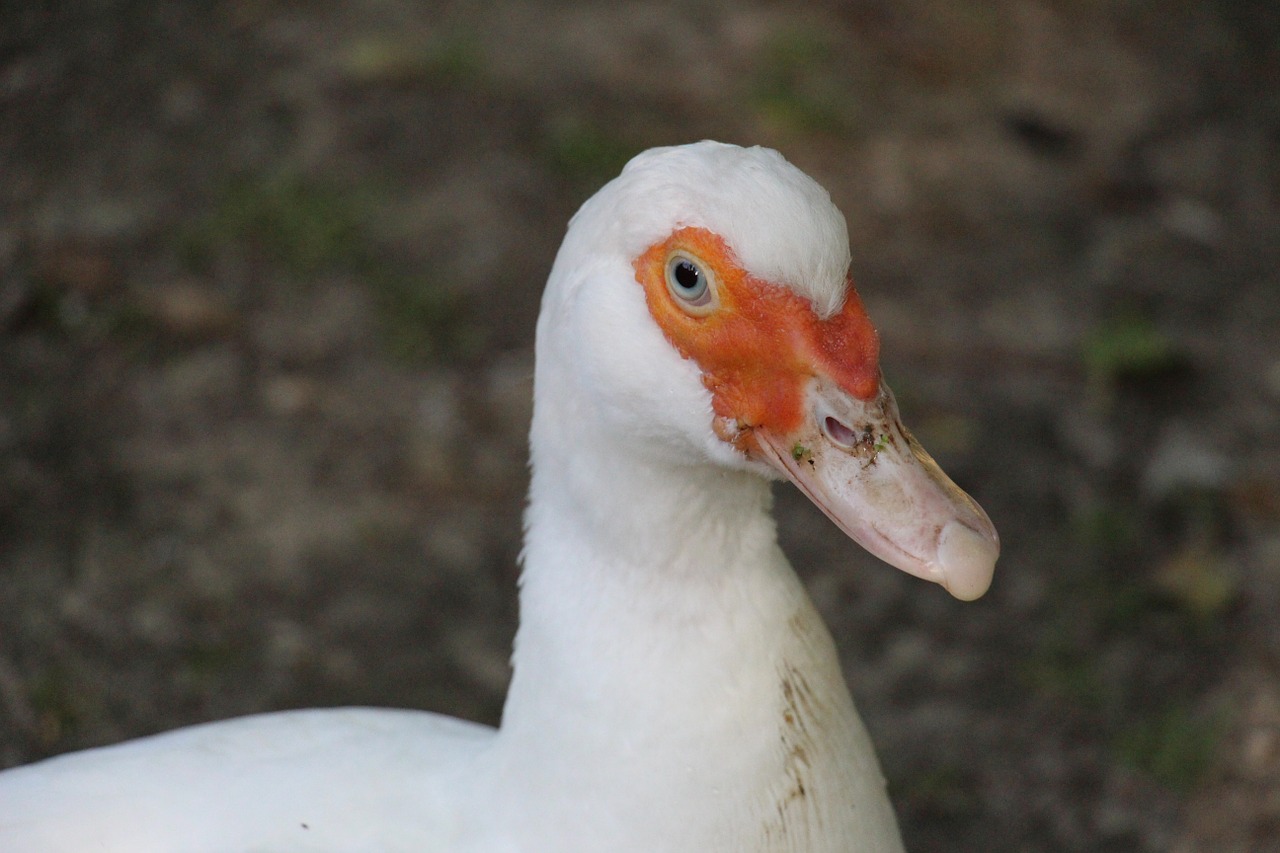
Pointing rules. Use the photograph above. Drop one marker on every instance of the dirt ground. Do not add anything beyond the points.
(268, 278)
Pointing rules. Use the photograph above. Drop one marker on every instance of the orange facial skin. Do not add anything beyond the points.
(762, 343)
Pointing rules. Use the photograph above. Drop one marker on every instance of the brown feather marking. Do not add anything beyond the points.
(794, 816)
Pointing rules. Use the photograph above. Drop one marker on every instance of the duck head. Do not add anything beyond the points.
(715, 320)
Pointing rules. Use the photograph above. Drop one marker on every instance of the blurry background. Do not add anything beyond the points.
(268, 278)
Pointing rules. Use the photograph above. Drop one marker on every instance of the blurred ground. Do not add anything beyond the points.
(268, 277)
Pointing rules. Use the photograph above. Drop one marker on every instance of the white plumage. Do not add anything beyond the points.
(674, 688)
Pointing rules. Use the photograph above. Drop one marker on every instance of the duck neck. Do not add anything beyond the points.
(632, 565)
(669, 663)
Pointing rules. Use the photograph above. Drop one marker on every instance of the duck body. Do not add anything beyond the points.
(357, 779)
(674, 688)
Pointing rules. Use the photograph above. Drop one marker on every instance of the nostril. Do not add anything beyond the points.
(839, 433)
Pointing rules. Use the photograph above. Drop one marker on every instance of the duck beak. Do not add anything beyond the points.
(860, 465)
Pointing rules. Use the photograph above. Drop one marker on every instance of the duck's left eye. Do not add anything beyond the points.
(689, 284)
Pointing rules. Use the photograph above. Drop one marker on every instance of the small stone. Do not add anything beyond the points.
(1260, 753)
(291, 395)
(190, 311)
(1185, 459)
(1194, 221)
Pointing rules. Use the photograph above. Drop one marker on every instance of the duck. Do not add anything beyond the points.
(674, 688)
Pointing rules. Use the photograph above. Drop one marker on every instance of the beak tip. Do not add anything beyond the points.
(967, 558)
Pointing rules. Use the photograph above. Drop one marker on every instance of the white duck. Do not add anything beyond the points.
(674, 688)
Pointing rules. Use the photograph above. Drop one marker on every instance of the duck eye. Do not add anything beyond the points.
(688, 277)
(689, 284)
